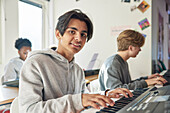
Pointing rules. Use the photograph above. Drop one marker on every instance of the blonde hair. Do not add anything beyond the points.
(129, 37)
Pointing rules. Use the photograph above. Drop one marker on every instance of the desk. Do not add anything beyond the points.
(7, 94)
(91, 78)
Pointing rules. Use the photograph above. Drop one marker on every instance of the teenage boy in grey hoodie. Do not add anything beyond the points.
(51, 81)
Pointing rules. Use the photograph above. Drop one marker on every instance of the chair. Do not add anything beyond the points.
(14, 106)
(94, 86)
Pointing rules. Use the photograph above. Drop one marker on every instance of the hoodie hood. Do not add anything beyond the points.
(49, 52)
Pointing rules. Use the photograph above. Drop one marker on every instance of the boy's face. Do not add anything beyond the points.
(135, 51)
(73, 38)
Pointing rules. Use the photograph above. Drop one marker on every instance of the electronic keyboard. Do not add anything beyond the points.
(147, 100)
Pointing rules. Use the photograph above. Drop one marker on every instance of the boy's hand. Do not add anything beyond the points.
(157, 80)
(154, 75)
(96, 100)
(116, 93)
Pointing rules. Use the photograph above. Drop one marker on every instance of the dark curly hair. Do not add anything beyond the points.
(20, 42)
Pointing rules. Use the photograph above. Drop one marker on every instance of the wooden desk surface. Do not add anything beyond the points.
(7, 94)
(91, 78)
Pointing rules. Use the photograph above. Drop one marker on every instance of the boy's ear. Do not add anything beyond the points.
(57, 34)
(130, 47)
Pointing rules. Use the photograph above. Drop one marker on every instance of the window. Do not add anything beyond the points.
(30, 23)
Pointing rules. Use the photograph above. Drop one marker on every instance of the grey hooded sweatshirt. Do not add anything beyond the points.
(12, 69)
(50, 84)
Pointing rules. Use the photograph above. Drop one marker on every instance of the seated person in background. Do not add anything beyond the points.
(12, 69)
(51, 81)
(114, 73)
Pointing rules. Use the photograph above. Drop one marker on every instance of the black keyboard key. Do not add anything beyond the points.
(107, 110)
(122, 102)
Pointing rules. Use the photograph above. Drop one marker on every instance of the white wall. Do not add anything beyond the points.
(9, 30)
(106, 14)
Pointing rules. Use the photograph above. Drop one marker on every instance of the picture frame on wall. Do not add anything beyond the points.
(144, 23)
(143, 6)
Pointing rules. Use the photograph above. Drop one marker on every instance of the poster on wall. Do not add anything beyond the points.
(143, 6)
(115, 30)
(144, 23)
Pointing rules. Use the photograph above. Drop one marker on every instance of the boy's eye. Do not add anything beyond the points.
(84, 35)
(72, 32)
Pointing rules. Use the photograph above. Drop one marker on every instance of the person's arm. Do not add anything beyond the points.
(153, 79)
(10, 72)
(114, 74)
(31, 93)
(150, 76)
